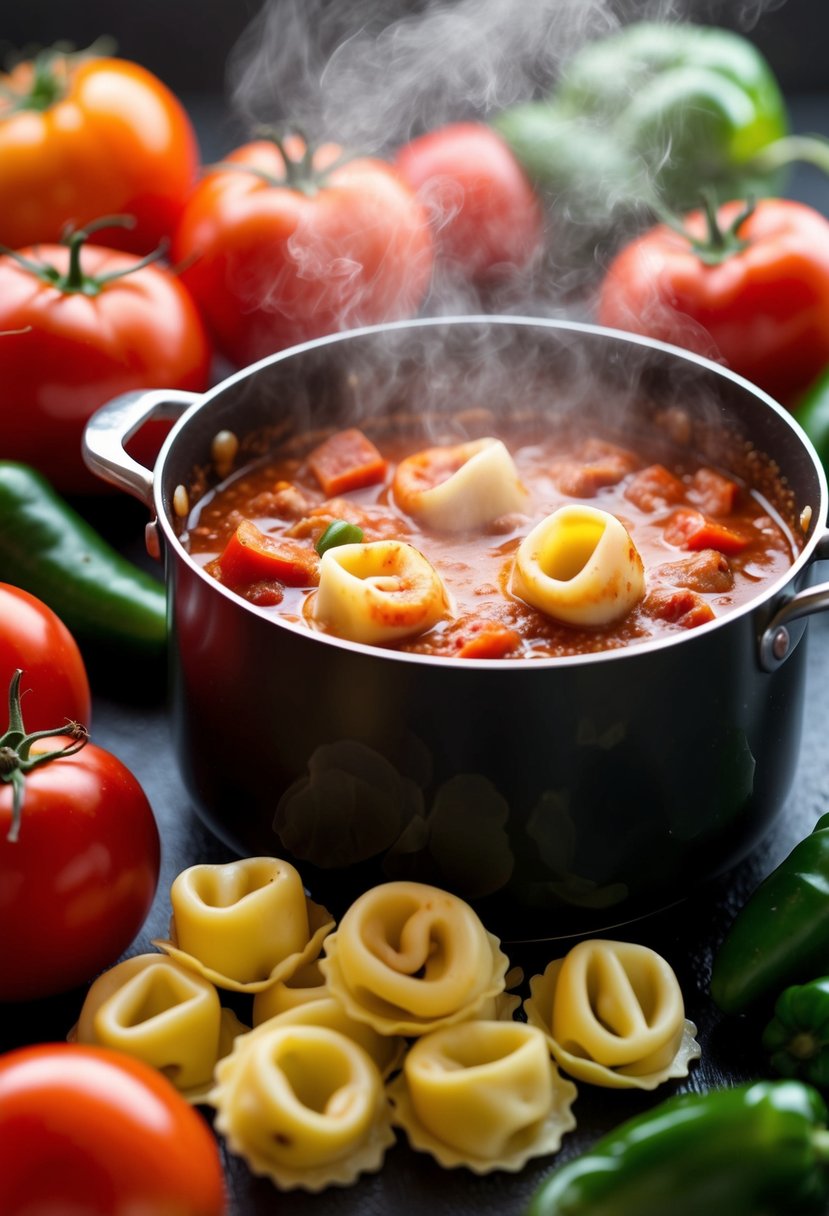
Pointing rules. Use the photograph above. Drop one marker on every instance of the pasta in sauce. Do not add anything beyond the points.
(463, 549)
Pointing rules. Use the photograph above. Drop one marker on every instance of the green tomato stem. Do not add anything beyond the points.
(15, 748)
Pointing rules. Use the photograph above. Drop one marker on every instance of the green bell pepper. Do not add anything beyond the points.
(754, 1150)
(812, 412)
(649, 115)
(781, 934)
(797, 1037)
(49, 550)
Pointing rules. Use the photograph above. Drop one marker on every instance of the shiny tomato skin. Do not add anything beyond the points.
(116, 142)
(271, 266)
(77, 884)
(67, 353)
(762, 311)
(55, 685)
(486, 216)
(91, 1131)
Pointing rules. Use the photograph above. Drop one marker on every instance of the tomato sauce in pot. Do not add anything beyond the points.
(708, 543)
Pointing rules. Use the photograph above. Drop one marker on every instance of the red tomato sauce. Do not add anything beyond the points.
(708, 542)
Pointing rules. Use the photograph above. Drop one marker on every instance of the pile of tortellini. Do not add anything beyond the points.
(399, 1016)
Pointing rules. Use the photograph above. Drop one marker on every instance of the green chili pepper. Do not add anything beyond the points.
(339, 532)
(754, 1150)
(812, 412)
(797, 1037)
(781, 935)
(52, 552)
(651, 113)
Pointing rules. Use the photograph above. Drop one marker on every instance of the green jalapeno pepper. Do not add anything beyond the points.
(654, 112)
(781, 934)
(754, 1150)
(49, 550)
(797, 1037)
(812, 412)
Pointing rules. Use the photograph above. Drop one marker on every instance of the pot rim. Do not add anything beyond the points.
(819, 529)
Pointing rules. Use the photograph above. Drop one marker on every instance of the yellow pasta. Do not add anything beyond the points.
(303, 1105)
(485, 1095)
(614, 1015)
(407, 958)
(580, 566)
(166, 1015)
(245, 924)
(305, 985)
(385, 1050)
(453, 489)
(378, 592)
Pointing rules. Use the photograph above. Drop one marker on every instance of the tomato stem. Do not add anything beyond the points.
(75, 279)
(300, 172)
(719, 243)
(15, 752)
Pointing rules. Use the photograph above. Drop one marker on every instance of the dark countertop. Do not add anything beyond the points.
(132, 722)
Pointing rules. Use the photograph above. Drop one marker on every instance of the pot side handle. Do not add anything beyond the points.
(786, 627)
(111, 426)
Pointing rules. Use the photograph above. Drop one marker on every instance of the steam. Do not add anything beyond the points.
(362, 74)
(371, 74)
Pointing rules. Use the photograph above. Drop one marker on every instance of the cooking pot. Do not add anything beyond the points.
(557, 795)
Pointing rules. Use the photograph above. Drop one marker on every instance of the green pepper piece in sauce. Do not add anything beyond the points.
(753, 1150)
(797, 1037)
(652, 113)
(781, 934)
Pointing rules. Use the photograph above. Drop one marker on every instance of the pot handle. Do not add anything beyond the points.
(786, 627)
(111, 426)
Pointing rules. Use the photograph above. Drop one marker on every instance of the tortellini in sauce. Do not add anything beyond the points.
(155, 1010)
(244, 924)
(580, 566)
(303, 1105)
(377, 592)
(614, 1015)
(485, 1095)
(453, 489)
(407, 958)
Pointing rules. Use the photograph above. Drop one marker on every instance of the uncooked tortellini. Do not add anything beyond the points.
(378, 592)
(456, 488)
(303, 1105)
(407, 958)
(580, 566)
(485, 1095)
(386, 1050)
(614, 1015)
(244, 924)
(155, 1010)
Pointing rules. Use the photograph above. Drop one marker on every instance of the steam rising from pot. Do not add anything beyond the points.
(372, 74)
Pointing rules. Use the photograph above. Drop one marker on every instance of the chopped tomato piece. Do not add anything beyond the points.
(599, 464)
(252, 556)
(679, 606)
(491, 641)
(654, 486)
(713, 493)
(347, 461)
(705, 570)
(690, 529)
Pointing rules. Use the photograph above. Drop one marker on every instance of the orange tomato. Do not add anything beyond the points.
(83, 137)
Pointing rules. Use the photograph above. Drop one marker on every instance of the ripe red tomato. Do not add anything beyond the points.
(33, 638)
(77, 344)
(485, 214)
(763, 308)
(89, 1130)
(277, 250)
(78, 882)
(82, 137)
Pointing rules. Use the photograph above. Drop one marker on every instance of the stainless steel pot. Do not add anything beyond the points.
(557, 795)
